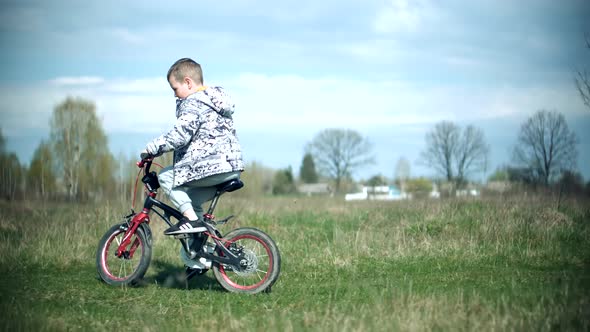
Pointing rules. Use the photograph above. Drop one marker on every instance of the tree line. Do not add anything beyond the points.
(75, 163)
(545, 153)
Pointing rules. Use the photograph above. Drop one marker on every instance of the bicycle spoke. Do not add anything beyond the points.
(122, 273)
(121, 269)
(260, 264)
(127, 268)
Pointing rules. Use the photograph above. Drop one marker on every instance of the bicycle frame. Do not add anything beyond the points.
(225, 256)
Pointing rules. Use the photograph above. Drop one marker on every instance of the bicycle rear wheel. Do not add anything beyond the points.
(128, 269)
(263, 262)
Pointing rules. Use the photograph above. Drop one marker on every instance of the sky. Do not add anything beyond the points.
(390, 70)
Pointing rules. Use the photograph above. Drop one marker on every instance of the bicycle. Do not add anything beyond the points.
(245, 260)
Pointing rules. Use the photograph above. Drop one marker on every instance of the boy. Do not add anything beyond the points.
(206, 149)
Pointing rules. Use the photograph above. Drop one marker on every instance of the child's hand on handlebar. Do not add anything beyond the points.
(145, 155)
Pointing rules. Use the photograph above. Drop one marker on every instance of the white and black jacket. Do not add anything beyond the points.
(203, 139)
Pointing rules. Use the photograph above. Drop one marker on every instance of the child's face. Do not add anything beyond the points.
(181, 89)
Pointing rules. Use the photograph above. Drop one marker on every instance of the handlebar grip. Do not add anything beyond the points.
(144, 161)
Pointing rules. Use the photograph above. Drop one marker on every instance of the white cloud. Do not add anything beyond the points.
(382, 51)
(287, 103)
(76, 81)
(122, 104)
(404, 16)
(127, 36)
(294, 103)
(312, 104)
(157, 86)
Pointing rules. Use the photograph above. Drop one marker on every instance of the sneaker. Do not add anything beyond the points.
(186, 226)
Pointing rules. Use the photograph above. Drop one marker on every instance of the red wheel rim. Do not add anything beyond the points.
(266, 273)
(105, 258)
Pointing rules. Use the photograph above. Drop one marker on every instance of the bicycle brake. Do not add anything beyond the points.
(130, 214)
(224, 221)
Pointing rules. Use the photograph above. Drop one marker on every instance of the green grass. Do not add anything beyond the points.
(504, 264)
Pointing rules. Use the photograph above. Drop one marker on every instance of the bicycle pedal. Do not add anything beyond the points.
(191, 272)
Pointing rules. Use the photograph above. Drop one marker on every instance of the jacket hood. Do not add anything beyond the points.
(217, 99)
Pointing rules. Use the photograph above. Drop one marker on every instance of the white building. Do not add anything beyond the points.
(310, 189)
(385, 193)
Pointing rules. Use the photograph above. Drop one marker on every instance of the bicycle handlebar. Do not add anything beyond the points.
(145, 162)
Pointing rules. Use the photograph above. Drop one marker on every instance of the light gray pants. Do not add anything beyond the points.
(192, 194)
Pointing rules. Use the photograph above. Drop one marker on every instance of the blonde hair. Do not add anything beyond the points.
(186, 67)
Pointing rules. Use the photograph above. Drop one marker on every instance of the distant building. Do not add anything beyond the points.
(385, 193)
(467, 192)
(434, 193)
(310, 189)
(363, 195)
(499, 186)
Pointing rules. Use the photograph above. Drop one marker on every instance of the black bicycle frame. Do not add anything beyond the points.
(151, 184)
(227, 258)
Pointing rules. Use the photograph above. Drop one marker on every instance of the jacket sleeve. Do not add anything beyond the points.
(184, 129)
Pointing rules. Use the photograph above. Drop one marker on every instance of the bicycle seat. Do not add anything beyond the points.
(230, 186)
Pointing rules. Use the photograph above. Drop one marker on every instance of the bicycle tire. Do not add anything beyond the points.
(130, 270)
(264, 262)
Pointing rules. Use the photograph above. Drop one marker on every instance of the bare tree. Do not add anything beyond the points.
(454, 153)
(546, 146)
(472, 152)
(583, 80)
(339, 152)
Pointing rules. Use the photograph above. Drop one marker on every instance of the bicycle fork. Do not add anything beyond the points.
(131, 229)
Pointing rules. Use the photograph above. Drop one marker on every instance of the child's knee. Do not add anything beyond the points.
(166, 178)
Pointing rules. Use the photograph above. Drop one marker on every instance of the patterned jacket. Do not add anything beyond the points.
(203, 139)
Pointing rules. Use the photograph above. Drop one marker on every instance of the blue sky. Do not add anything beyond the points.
(388, 69)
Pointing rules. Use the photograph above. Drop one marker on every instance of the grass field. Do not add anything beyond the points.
(497, 264)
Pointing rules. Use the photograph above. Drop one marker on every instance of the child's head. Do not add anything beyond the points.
(184, 76)
(186, 67)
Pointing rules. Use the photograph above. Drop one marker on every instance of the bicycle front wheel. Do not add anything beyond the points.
(128, 269)
(263, 262)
